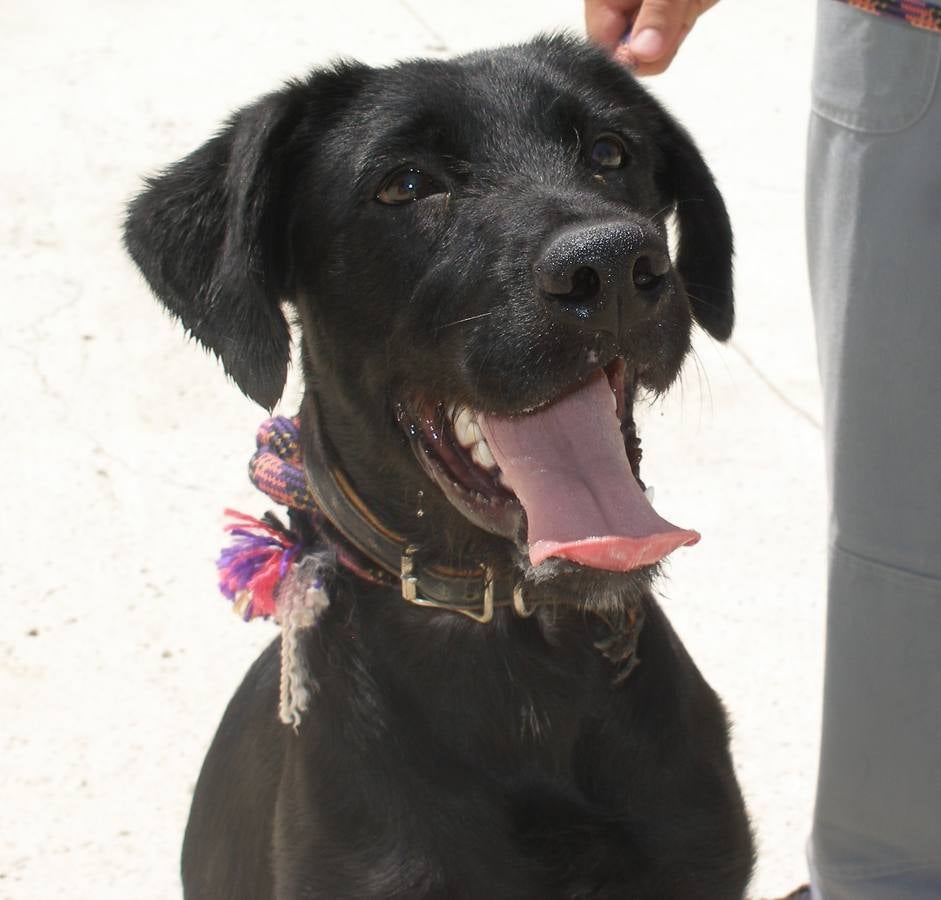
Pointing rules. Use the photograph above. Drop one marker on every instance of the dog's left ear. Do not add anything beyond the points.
(704, 260)
(210, 232)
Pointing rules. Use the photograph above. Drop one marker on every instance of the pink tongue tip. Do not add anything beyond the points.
(616, 554)
(567, 465)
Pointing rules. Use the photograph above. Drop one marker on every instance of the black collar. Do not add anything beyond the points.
(389, 558)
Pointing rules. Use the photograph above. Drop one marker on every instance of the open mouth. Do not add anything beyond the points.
(562, 480)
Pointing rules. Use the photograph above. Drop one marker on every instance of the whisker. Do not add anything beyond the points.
(702, 300)
(662, 210)
(698, 284)
(703, 378)
(462, 321)
(480, 369)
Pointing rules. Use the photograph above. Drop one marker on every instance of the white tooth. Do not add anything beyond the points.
(450, 411)
(614, 401)
(649, 493)
(464, 427)
(482, 456)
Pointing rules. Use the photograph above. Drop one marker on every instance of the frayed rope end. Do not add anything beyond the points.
(264, 575)
(302, 600)
(252, 569)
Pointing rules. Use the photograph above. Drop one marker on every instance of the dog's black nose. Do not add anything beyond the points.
(603, 277)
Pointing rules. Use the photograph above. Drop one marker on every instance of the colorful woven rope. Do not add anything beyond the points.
(263, 551)
(920, 13)
(269, 571)
(277, 468)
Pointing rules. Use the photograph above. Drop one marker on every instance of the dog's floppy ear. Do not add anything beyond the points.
(704, 260)
(209, 233)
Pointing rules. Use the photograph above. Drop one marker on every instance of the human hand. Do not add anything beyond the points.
(657, 28)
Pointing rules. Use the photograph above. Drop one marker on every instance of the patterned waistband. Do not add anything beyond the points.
(918, 13)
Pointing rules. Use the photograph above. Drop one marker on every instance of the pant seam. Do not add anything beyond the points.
(921, 580)
(873, 870)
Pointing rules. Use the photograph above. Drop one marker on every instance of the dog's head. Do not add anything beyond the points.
(477, 254)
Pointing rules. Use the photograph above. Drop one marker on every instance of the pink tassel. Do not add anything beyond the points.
(252, 568)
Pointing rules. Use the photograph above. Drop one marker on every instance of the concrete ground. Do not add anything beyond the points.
(116, 654)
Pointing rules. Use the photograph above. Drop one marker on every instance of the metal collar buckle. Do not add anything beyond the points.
(483, 614)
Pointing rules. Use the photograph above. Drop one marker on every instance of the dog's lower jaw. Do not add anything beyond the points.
(570, 585)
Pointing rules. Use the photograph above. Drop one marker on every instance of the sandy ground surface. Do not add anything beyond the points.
(116, 653)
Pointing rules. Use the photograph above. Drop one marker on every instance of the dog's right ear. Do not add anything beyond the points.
(209, 233)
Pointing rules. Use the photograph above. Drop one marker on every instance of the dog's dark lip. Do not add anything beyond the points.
(476, 491)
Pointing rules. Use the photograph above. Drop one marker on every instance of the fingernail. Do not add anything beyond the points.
(647, 45)
(624, 56)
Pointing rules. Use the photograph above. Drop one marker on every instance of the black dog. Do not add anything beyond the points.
(476, 254)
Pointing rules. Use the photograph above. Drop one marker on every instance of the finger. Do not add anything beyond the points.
(657, 30)
(606, 21)
(658, 66)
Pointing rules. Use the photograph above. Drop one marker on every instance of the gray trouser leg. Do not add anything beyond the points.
(874, 239)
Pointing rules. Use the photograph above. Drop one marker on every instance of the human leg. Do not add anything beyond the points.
(874, 236)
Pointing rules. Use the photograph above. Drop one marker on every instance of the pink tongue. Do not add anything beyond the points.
(567, 465)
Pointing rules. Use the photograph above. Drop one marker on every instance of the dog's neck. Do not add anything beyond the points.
(371, 548)
(296, 467)
(376, 551)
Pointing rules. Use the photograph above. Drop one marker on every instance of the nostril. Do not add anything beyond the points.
(578, 293)
(644, 275)
(586, 285)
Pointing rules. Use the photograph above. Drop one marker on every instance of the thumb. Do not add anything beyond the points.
(657, 30)
(606, 21)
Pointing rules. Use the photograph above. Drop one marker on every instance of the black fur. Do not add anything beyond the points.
(442, 758)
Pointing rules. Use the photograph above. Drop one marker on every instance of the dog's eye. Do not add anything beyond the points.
(406, 185)
(609, 152)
